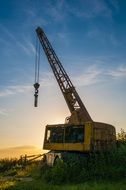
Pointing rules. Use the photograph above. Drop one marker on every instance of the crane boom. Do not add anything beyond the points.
(69, 92)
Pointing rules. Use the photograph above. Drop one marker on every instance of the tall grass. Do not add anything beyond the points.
(39, 185)
(102, 166)
(93, 172)
(7, 164)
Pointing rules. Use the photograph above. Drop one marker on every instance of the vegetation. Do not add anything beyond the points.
(104, 166)
(94, 167)
(7, 164)
(104, 171)
(39, 185)
(121, 137)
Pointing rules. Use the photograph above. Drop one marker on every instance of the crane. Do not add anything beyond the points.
(79, 133)
(69, 92)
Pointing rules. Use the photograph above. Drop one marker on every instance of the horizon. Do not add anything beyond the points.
(89, 39)
(16, 152)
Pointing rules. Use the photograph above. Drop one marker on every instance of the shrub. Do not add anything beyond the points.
(7, 164)
(102, 166)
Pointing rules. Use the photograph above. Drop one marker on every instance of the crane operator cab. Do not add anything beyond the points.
(81, 139)
(68, 137)
(87, 137)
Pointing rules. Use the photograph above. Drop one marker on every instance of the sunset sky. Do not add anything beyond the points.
(89, 37)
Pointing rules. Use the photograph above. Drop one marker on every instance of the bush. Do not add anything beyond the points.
(7, 164)
(56, 174)
(102, 166)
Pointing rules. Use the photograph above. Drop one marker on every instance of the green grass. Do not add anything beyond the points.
(40, 185)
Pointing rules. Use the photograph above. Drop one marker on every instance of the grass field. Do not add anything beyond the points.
(97, 172)
(38, 184)
(30, 179)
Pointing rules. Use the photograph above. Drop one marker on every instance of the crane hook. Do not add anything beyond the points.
(36, 86)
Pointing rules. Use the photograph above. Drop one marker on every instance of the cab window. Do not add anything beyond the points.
(74, 134)
(55, 135)
(69, 134)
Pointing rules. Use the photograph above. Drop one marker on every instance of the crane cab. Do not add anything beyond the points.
(68, 137)
(86, 137)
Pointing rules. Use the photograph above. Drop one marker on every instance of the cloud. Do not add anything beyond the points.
(90, 9)
(94, 74)
(97, 74)
(114, 4)
(119, 72)
(5, 112)
(32, 14)
(24, 44)
(11, 90)
(29, 48)
(46, 81)
(58, 10)
(64, 37)
(103, 36)
(91, 76)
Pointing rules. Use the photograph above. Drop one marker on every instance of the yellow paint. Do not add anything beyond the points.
(83, 147)
(97, 137)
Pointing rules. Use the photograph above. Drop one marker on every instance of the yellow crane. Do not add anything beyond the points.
(79, 134)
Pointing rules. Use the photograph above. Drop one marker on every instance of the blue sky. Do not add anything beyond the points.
(88, 37)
